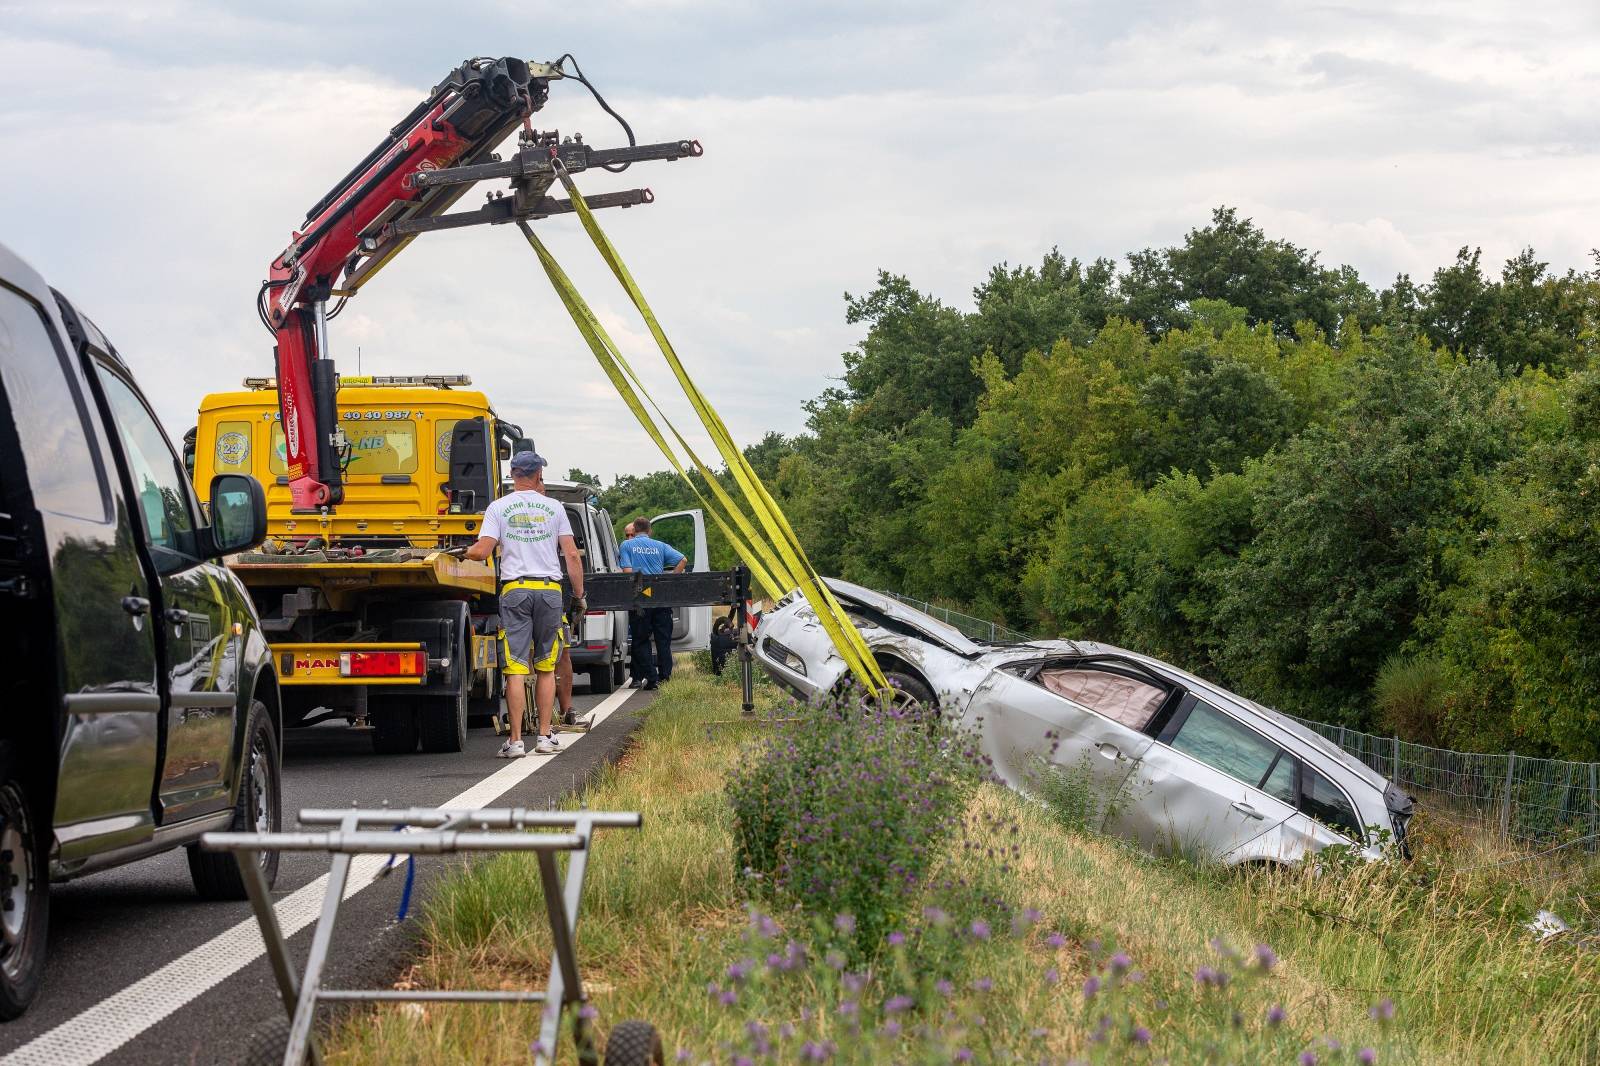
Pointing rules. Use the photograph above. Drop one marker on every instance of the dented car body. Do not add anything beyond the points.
(1152, 753)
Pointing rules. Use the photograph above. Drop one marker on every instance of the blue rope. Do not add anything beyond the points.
(411, 879)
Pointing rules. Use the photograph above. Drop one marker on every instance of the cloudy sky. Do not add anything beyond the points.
(158, 152)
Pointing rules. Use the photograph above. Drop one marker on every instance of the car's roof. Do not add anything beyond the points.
(18, 274)
(569, 491)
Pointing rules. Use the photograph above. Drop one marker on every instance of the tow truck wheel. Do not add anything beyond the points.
(257, 810)
(444, 718)
(394, 724)
(24, 891)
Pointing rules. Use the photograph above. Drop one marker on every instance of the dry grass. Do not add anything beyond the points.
(663, 916)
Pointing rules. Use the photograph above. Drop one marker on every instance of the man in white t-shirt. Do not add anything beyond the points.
(530, 529)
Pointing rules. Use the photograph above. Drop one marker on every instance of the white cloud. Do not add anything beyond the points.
(931, 140)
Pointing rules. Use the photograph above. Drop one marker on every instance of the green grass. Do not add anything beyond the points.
(663, 917)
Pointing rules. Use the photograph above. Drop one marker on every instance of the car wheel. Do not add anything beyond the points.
(24, 891)
(619, 673)
(258, 809)
(910, 692)
(634, 1044)
(601, 679)
(394, 724)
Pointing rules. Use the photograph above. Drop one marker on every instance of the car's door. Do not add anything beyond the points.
(194, 616)
(1209, 785)
(1040, 740)
(99, 594)
(1326, 817)
(686, 531)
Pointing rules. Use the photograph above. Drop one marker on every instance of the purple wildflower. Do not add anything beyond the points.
(1056, 940)
(1382, 1011)
(684, 1054)
(738, 971)
(728, 998)
(845, 923)
(1090, 987)
(1366, 1056)
(588, 1012)
(934, 916)
(896, 939)
(1140, 1035)
(1266, 958)
(1052, 976)
(812, 1051)
(963, 1054)
(1119, 964)
(944, 988)
(1204, 975)
(1308, 1058)
(890, 1028)
(979, 929)
(853, 982)
(1276, 1015)
(785, 1031)
(983, 984)
(835, 960)
(896, 1004)
(743, 1060)
(849, 1008)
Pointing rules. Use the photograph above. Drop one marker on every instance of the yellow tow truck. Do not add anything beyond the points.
(367, 620)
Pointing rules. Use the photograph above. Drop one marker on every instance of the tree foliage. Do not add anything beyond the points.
(1242, 460)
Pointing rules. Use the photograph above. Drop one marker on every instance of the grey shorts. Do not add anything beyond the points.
(531, 632)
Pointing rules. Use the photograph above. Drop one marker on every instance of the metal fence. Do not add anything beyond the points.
(1529, 800)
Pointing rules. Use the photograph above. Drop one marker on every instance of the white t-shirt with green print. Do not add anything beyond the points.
(529, 526)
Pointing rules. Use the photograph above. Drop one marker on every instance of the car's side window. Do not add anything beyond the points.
(1322, 800)
(158, 479)
(1214, 738)
(64, 473)
(1280, 781)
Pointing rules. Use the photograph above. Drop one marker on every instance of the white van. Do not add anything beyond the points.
(600, 639)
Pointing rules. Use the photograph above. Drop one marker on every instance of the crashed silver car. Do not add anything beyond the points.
(1173, 762)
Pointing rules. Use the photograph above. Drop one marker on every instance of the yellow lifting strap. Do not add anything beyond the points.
(790, 561)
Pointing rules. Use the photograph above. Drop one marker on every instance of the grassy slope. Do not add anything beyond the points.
(663, 917)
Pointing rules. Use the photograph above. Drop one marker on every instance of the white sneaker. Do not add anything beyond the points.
(543, 747)
(512, 749)
(555, 741)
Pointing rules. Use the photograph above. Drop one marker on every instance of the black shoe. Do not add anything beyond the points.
(635, 683)
(649, 687)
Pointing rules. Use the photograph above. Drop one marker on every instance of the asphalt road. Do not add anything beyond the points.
(129, 945)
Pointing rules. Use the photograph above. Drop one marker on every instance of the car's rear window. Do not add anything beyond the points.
(1121, 699)
(1223, 744)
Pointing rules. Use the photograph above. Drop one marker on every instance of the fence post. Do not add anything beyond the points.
(1505, 803)
(1394, 758)
(1594, 803)
(1341, 737)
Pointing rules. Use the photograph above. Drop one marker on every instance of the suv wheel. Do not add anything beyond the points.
(602, 679)
(259, 809)
(24, 891)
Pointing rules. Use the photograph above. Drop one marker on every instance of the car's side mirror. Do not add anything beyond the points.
(238, 515)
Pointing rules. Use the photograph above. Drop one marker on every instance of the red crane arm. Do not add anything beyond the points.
(460, 123)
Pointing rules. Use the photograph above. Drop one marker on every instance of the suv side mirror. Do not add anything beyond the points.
(238, 515)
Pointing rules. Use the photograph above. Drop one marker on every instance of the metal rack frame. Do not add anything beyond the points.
(426, 831)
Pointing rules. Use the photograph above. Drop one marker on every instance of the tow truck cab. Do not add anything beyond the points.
(367, 622)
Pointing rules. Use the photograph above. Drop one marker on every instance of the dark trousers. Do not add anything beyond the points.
(652, 644)
(638, 646)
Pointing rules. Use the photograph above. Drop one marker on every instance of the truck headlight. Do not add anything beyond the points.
(773, 650)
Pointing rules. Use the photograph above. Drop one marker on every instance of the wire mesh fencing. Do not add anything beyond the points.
(1529, 800)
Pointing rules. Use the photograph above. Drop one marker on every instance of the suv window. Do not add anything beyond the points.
(1215, 739)
(64, 473)
(1322, 800)
(158, 480)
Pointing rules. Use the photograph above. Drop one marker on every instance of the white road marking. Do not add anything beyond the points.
(117, 1019)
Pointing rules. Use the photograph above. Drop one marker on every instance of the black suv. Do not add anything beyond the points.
(140, 709)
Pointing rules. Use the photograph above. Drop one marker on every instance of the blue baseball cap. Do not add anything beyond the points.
(527, 464)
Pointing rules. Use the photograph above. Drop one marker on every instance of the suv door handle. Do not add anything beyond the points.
(176, 615)
(136, 605)
(1110, 751)
(1248, 811)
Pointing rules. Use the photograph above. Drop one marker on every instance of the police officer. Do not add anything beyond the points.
(644, 554)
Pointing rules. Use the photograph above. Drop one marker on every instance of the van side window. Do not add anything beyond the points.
(158, 481)
(65, 475)
(1322, 800)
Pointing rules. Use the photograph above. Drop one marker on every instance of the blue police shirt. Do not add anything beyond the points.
(647, 556)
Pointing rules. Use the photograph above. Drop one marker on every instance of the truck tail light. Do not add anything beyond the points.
(383, 663)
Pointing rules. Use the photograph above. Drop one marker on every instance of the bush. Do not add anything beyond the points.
(1413, 697)
(840, 810)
